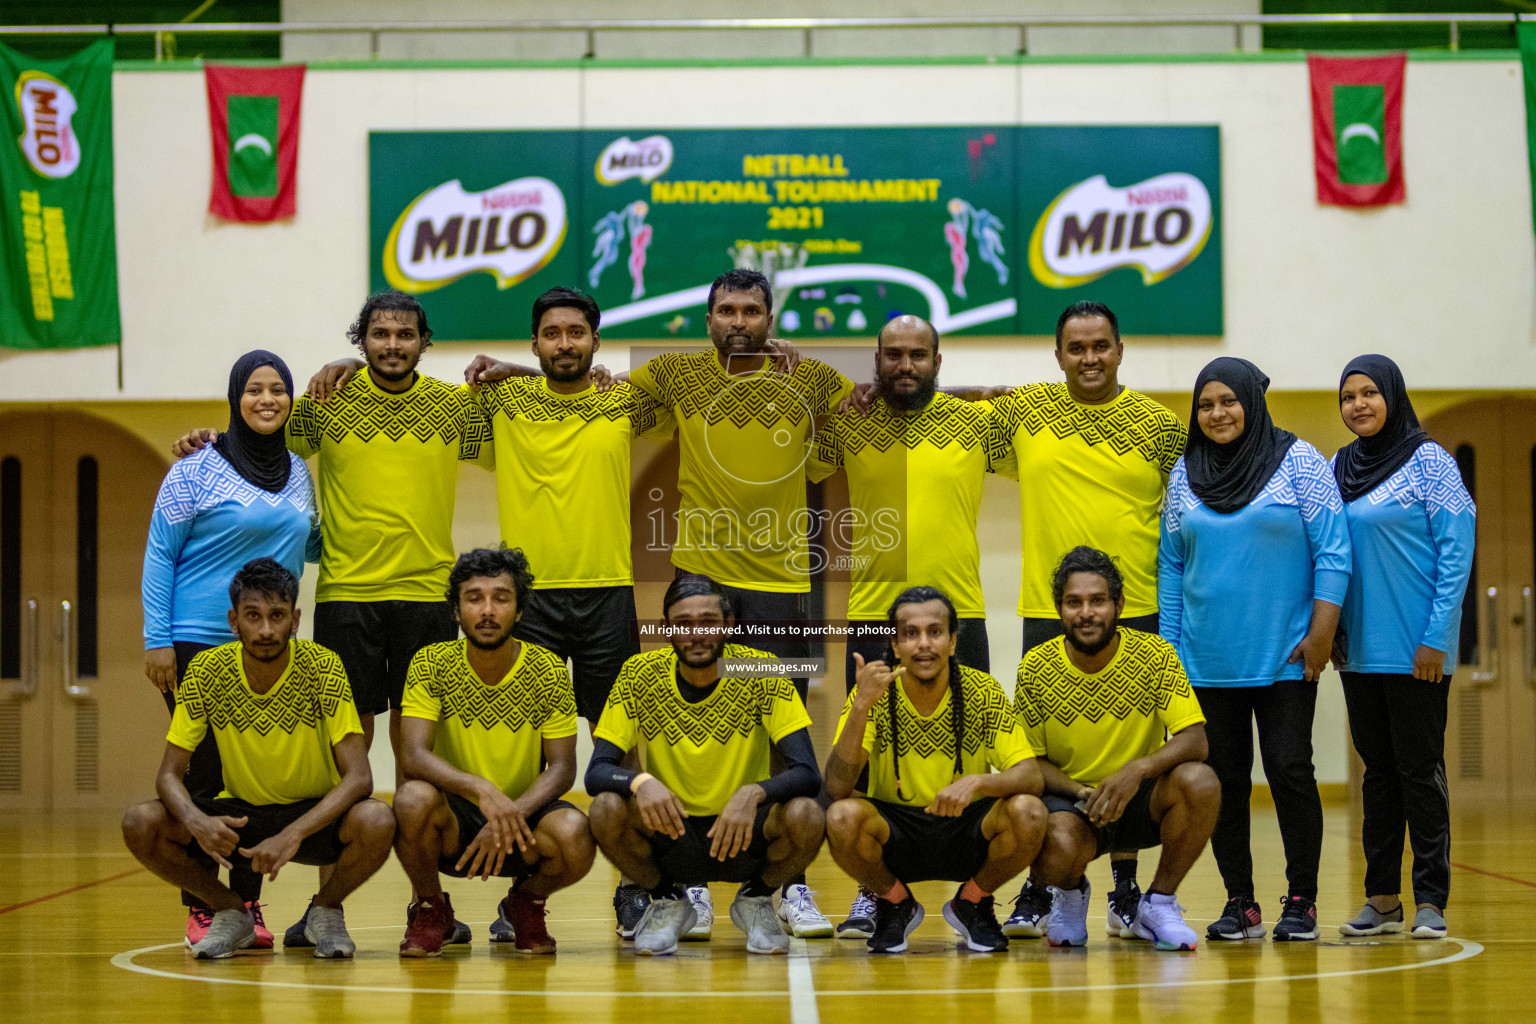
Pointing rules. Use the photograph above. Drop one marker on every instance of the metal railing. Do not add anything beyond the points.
(807, 26)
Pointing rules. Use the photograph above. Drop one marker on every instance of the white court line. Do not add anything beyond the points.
(124, 960)
(802, 989)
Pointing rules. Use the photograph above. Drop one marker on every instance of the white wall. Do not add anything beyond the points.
(1444, 282)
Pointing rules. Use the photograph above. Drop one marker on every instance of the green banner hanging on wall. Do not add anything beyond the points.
(852, 225)
(59, 250)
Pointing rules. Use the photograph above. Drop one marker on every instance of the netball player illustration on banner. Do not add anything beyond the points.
(982, 225)
(954, 234)
(611, 229)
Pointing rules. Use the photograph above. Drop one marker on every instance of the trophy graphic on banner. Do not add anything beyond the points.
(772, 262)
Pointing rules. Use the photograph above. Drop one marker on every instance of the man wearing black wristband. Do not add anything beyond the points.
(706, 809)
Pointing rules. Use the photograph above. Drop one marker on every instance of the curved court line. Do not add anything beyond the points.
(124, 960)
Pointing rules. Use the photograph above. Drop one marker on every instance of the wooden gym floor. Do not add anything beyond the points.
(87, 935)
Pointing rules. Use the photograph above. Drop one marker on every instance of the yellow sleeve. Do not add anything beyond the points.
(1177, 706)
(649, 377)
(1002, 459)
(419, 700)
(303, 429)
(336, 704)
(827, 454)
(869, 728)
(1028, 715)
(475, 439)
(834, 388)
(189, 722)
(648, 418)
(560, 706)
(620, 721)
(1010, 742)
(1175, 434)
(784, 714)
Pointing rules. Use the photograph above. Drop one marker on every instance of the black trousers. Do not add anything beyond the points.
(1284, 713)
(1398, 725)
(205, 775)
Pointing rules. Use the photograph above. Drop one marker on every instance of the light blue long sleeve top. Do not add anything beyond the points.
(207, 523)
(1235, 590)
(1412, 539)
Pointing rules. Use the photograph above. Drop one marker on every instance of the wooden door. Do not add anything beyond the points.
(85, 729)
(1491, 734)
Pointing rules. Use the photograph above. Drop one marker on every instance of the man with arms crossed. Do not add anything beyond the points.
(1092, 460)
(483, 717)
(1098, 704)
(296, 776)
(706, 809)
(931, 730)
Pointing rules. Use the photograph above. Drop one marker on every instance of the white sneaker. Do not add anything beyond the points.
(860, 922)
(660, 926)
(1160, 920)
(703, 912)
(798, 910)
(1068, 923)
(755, 917)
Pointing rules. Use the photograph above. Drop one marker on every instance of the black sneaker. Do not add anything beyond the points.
(1240, 919)
(1030, 909)
(893, 923)
(294, 937)
(976, 923)
(1298, 920)
(629, 903)
(860, 922)
(1124, 905)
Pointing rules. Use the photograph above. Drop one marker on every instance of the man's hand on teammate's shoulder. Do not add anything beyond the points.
(192, 441)
(860, 400)
(485, 370)
(786, 357)
(331, 378)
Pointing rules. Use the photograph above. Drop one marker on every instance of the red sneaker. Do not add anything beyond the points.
(198, 921)
(526, 913)
(428, 923)
(263, 936)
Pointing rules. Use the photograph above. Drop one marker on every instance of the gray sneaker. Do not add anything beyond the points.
(1428, 923)
(327, 929)
(236, 929)
(1371, 921)
(661, 924)
(755, 916)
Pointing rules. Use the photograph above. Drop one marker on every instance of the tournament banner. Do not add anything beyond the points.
(253, 121)
(853, 226)
(1357, 129)
(1525, 32)
(58, 256)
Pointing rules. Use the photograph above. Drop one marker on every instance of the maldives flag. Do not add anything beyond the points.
(1357, 129)
(253, 116)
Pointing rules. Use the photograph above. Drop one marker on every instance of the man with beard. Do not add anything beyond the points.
(1122, 744)
(1092, 459)
(930, 732)
(390, 442)
(707, 808)
(915, 463)
(296, 776)
(489, 743)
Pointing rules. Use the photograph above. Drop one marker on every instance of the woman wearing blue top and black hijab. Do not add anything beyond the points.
(244, 497)
(1252, 568)
(1412, 526)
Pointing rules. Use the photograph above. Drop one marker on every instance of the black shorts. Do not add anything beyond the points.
(1134, 830)
(592, 628)
(265, 821)
(471, 821)
(971, 648)
(926, 847)
(376, 641)
(687, 860)
(1038, 631)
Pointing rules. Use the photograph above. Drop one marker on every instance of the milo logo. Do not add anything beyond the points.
(1158, 226)
(623, 159)
(510, 231)
(49, 142)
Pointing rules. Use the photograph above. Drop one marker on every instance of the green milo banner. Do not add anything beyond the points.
(852, 225)
(58, 241)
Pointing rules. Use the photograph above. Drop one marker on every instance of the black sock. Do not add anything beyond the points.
(755, 887)
(1125, 873)
(797, 880)
(666, 889)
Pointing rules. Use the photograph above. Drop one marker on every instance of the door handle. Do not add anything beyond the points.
(26, 686)
(72, 688)
(1486, 671)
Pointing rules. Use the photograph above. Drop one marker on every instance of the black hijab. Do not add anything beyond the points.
(1226, 477)
(260, 458)
(1366, 462)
